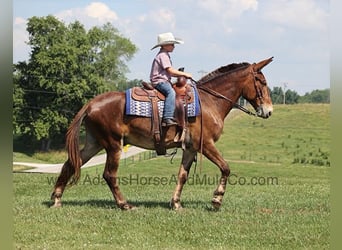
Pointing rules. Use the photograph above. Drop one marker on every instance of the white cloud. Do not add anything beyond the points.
(100, 11)
(142, 18)
(95, 13)
(303, 14)
(163, 18)
(20, 21)
(225, 12)
(228, 8)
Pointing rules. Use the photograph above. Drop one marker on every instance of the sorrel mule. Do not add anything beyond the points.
(107, 127)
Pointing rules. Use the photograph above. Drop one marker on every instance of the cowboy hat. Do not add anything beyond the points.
(167, 38)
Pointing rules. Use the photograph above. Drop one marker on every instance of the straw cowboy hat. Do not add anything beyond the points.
(167, 38)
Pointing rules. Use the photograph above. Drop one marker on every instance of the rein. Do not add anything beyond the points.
(214, 93)
(236, 105)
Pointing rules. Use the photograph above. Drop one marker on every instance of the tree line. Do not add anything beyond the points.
(292, 97)
(68, 65)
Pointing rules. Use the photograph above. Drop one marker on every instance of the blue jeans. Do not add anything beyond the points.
(170, 96)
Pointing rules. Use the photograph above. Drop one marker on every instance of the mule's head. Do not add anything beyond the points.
(256, 91)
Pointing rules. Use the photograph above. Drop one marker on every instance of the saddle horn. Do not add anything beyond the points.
(181, 80)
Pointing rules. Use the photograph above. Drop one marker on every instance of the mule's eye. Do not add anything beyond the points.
(262, 80)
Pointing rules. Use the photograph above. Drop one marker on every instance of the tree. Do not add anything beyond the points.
(316, 96)
(291, 97)
(129, 84)
(277, 95)
(67, 67)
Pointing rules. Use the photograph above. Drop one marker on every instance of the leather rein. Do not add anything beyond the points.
(235, 105)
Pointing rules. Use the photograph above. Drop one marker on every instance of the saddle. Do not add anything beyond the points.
(184, 95)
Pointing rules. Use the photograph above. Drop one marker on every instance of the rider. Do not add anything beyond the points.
(161, 73)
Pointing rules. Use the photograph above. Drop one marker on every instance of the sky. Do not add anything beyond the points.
(215, 33)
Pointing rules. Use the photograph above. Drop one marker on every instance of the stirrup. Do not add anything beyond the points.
(169, 122)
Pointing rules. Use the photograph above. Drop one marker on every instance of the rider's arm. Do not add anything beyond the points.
(174, 72)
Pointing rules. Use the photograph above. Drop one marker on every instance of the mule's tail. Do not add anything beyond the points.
(72, 145)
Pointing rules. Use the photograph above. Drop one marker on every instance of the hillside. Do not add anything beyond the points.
(293, 134)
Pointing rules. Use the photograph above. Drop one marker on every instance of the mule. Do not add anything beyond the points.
(108, 127)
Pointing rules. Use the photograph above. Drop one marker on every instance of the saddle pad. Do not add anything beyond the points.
(140, 108)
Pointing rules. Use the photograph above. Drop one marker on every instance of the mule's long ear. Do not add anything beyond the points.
(263, 63)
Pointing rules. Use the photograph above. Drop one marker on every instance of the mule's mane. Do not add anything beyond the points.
(230, 68)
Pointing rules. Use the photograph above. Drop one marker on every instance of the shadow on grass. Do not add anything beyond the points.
(110, 204)
(89, 203)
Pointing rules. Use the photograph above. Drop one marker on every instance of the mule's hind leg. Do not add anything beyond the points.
(110, 175)
(63, 178)
(187, 160)
(90, 149)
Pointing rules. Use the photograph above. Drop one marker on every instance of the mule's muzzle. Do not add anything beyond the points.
(264, 111)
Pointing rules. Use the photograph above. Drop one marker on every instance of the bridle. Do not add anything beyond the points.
(236, 105)
(257, 90)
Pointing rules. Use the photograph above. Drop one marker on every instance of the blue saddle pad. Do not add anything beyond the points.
(139, 108)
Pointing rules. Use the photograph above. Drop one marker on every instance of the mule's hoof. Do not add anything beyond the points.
(179, 209)
(175, 205)
(126, 207)
(57, 201)
(216, 203)
(56, 205)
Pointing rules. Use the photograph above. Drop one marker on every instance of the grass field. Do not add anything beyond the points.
(278, 197)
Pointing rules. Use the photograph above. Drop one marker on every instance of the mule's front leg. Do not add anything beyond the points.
(214, 155)
(220, 190)
(187, 160)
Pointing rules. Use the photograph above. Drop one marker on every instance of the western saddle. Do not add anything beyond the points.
(184, 95)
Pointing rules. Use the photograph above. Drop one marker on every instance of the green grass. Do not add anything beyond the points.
(291, 211)
(293, 134)
(40, 157)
